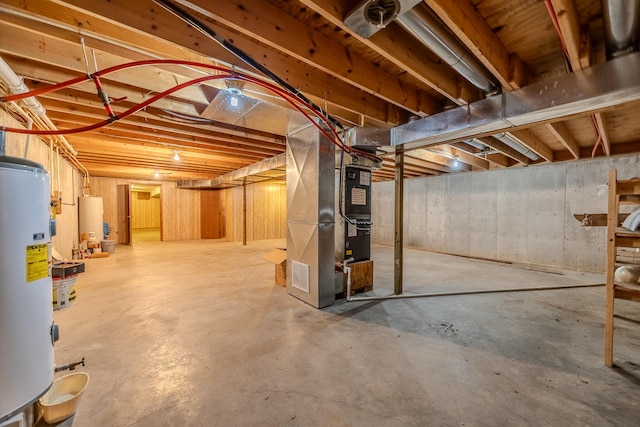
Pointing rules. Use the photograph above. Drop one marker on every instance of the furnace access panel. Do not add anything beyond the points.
(357, 238)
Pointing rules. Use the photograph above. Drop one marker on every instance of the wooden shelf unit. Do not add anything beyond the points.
(620, 193)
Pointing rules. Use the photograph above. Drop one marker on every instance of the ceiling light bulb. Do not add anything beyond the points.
(456, 163)
(157, 174)
(233, 101)
(176, 156)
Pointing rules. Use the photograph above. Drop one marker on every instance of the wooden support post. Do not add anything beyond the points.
(244, 213)
(612, 217)
(398, 221)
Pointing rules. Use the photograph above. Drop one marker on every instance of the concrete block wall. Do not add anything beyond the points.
(522, 215)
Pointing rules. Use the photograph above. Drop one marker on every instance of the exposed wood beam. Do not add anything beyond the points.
(493, 160)
(261, 21)
(474, 32)
(150, 125)
(119, 133)
(604, 133)
(567, 16)
(126, 149)
(470, 159)
(393, 43)
(530, 141)
(505, 149)
(61, 53)
(413, 168)
(230, 160)
(149, 163)
(442, 163)
(147, 17)
(98, 33)
(561, 132)
(422, 166)
(134, 139)
(578, 43)
(132, 172)
(35, 74)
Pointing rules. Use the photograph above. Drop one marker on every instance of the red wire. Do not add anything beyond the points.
(335, 138)
(567, 62)
(126, 113)
(291, 99)
(80, 79)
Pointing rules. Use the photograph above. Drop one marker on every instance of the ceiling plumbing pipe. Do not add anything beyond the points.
(621, 26)
(508, 139)
(454, 293)
(426, 28)
(475, 143)
(16, 85)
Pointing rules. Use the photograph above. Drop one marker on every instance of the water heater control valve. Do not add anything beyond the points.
(55, 333)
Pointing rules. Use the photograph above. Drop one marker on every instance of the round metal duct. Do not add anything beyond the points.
(381, 12)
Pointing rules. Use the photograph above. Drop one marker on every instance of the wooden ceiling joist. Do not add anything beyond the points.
(561, 132)
(382, 81)
(476, 35)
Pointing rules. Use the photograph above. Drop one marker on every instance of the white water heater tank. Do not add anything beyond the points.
(26, 309)
(90, 216)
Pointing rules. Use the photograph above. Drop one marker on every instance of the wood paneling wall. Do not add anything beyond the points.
(266, 211)
(179, 208)
(68, 181)
(180, 213)
(146, 212)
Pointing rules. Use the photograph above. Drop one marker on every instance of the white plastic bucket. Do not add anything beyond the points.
(108, 246)
(64, 291)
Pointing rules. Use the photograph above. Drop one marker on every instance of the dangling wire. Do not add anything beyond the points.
(84, 50)
(326, 128)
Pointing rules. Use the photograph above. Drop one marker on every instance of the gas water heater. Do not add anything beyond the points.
(27, 331)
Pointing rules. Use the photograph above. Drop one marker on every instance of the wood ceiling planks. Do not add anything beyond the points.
(379, 81)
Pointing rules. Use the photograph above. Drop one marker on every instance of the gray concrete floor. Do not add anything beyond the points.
(196, 333)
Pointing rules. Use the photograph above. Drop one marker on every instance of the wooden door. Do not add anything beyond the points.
(211, 215)
(124, 215)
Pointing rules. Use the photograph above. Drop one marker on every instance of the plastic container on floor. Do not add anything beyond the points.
(108, 246)
(62, 399)
(64, 291)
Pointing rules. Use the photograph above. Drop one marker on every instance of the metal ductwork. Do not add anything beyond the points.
(311, 217)
(621, 26)
(425, 27)
(615, 82)
(370, 16)
(476, 144)
(264, 170)
(507, 139)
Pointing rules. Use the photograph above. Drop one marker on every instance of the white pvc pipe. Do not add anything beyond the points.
(16, 85)
(26, 142)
